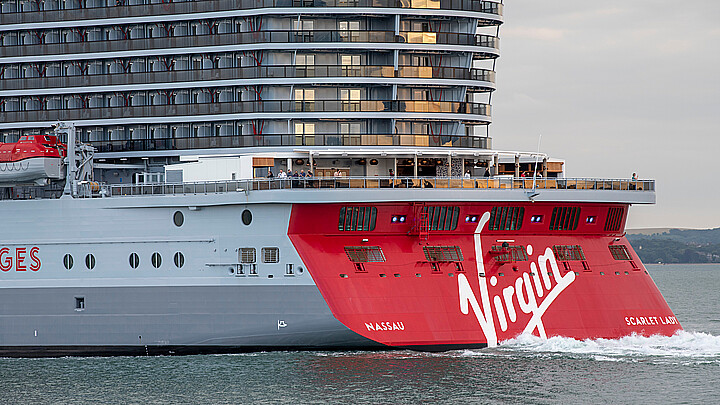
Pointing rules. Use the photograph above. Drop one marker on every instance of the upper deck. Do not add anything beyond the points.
(380, 189)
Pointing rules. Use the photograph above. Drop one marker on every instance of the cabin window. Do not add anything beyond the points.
(443, 253)
(79, 303)
(365, 254)
(246, 217)
(68, 261)
(179, 260)
(513, 253)
(90, 261)
(506, 218)
(614, 219)
(620, 252)
(246, 255)
(357, 219)
(270, 255)
(564, 253)
(178, 218)
(442, 218)
(134, 260)
(565, 218)
(156, 260)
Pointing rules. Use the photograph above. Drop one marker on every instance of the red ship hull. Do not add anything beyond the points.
(484, 286)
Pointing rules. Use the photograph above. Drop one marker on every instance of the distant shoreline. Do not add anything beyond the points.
(681, 264)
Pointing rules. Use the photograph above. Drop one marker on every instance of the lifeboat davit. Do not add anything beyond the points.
(33, 159)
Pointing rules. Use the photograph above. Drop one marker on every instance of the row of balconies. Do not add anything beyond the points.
(242, 141)
(201, 128)
(281, 39)
(25, 11)
(472, 111)
(286, 73)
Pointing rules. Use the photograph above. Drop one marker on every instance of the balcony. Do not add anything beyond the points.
(320, 183)
(281, 40)
(272, 109)
(253, 72)
(17, 12)
(243, 141)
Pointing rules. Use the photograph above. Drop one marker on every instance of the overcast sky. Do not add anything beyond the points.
(617, 87)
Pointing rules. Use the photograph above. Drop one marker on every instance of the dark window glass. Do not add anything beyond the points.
(90, 261)
(134, 260)
(179, 260)
(565, 218)
(357, 218)
(178, 218)
(68, 261)
(442, 218)
(247, 217)
(156, 260)
(506, 218)
(613, 223)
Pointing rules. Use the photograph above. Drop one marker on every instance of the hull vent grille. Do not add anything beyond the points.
(510, 253)
(566, 253)
(443, 253)
(365, 254)
(247, 255)
(620, 252)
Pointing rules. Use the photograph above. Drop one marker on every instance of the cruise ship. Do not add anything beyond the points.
(220, 176)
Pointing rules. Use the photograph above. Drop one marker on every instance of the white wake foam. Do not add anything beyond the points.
(683, 345)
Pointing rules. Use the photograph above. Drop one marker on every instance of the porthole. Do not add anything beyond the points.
(68, 261)
(178, 218)
(247, 217)
(134, 260)
(90, 261)
(156, 260)
(179, 260)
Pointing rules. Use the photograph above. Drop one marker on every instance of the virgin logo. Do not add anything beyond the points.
(534, 292)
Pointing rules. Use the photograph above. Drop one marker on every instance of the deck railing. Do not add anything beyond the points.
(324, 183)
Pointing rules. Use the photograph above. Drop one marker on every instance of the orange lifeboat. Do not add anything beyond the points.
(33, 159)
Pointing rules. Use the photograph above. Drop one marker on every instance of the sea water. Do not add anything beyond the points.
(684, 368)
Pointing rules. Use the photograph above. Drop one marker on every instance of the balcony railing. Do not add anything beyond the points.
(250, 38)
(243, 141)
(19, 11)
(249, 72)
(323, 183)
(256, 107)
